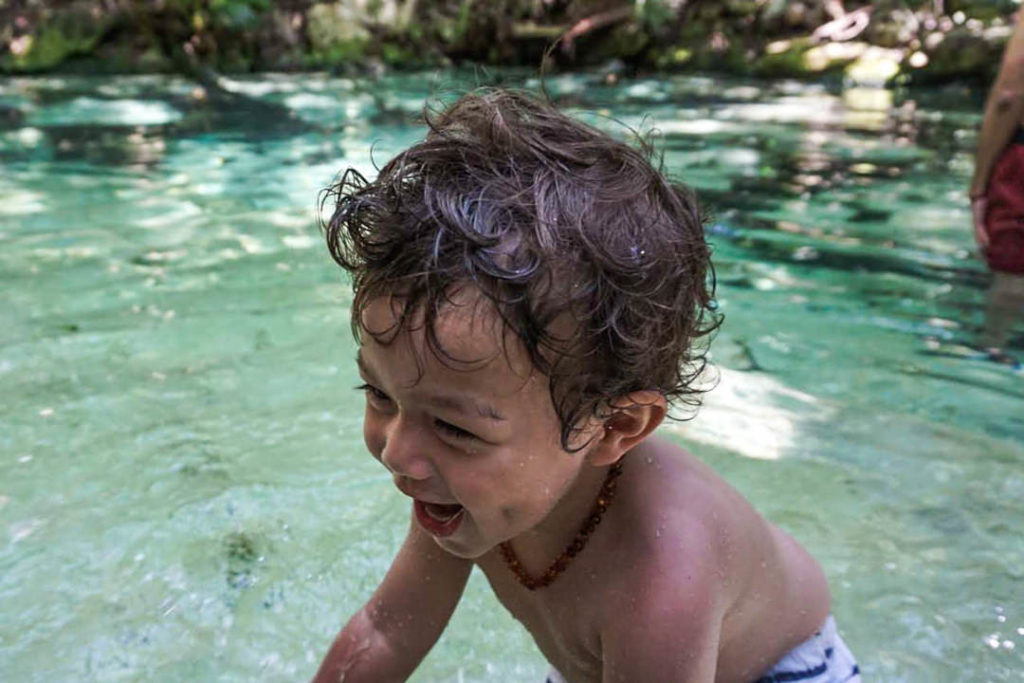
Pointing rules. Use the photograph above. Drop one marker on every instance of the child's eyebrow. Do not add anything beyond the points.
(467, 406)
(460, 404)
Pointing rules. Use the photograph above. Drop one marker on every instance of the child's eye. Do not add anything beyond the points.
(374, 393)
(452, 431)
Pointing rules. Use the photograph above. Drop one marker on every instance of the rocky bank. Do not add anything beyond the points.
(869, 42)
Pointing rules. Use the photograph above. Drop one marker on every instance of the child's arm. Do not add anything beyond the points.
(392, 633)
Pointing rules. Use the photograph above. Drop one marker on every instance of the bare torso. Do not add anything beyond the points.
(775, 596)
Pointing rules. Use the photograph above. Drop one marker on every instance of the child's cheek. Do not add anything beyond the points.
(479, 492)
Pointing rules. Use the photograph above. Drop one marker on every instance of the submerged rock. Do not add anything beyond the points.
(10, 117)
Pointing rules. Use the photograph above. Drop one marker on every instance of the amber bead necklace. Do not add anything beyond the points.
(604, 499)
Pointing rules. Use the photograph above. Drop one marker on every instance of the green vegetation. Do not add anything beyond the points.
(906, 39)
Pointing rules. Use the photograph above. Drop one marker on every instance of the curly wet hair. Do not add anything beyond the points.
(546, 216)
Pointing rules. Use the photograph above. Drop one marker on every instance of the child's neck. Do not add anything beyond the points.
(537, 548)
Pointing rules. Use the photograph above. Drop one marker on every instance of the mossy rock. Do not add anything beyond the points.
(876, 66)
(670, 57)
(626, 41)
(892, 28)
(74, 31)
(403, 55)
(990, 10)
(784, 58)
(337, 32)
(802, 58)
(474, 30)
(341, 52)
(119, 58)
(732, 59)
(743, 8)
(963, 52)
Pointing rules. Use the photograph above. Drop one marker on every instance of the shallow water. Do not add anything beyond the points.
(184, 494)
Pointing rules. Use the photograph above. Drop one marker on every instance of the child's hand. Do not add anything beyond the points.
(979, 208)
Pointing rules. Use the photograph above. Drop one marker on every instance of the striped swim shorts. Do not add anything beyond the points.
(822, 658)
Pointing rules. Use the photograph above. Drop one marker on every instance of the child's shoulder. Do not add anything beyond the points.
(698, 544)
(693, 579)
(676, 561)
(668, 482)
(680, 518)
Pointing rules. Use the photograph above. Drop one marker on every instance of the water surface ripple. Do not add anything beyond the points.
(183, 490)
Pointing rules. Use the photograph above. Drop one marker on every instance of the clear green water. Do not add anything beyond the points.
(183, 490)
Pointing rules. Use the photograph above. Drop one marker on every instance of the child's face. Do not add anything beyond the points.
(476, 445)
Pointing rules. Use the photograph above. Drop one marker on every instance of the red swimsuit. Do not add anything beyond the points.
(1005, 218)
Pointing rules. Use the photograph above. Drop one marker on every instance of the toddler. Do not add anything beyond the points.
(530, 297)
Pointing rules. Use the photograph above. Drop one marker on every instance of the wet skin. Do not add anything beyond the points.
(682, 580)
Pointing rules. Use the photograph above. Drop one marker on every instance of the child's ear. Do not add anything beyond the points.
(633, 417)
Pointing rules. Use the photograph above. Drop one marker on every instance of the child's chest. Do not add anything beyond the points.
(563, 618)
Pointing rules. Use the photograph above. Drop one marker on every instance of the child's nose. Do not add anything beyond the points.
(403, 451)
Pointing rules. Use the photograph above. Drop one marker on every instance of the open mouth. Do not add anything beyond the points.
(441, 512)
(439, 519)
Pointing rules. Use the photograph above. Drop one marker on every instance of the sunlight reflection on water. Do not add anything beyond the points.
(183, 488)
